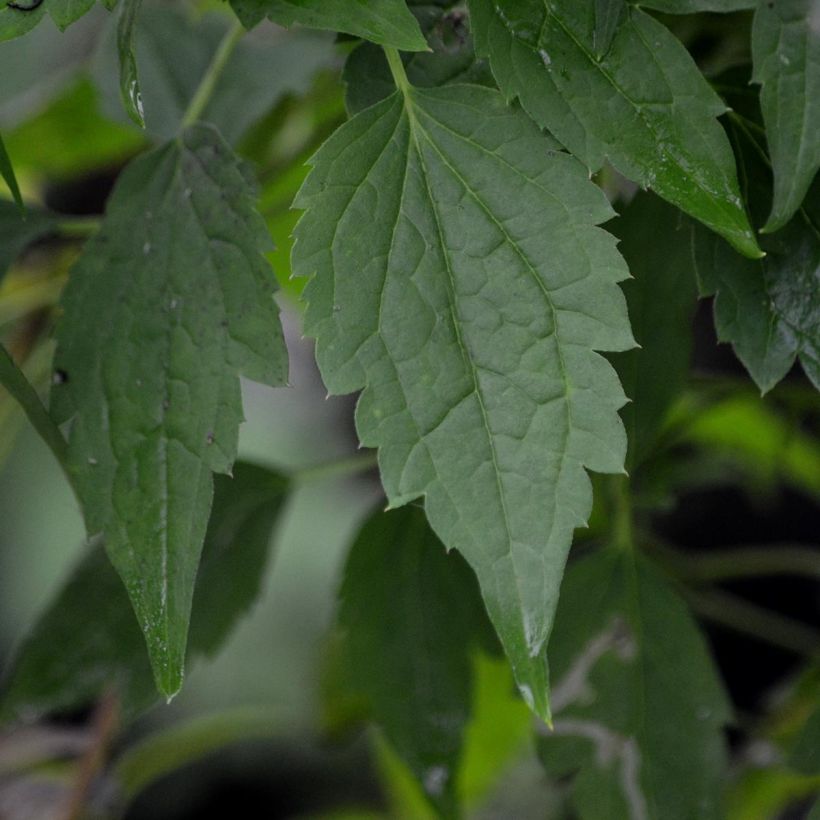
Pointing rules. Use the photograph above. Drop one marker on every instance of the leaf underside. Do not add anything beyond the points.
(386, 22)
(470, 309)
(167, 305)
(644, 105)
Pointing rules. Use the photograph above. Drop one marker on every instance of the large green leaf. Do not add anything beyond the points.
(174, 52)
(412, 617)
(639, 708)
(644, 105)
(786, 51)
(18, 230)
(661, 300)
(387, 22)
(88, 641)
(769, 309)
(469, 310)
(20, 16)
(166, 306)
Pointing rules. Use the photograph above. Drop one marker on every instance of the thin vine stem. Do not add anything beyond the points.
(81, 227)
(397, 69)
(337, 468)
(203, 94)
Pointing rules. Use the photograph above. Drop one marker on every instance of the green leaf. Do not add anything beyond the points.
(412, 617)
(769, 309)
(694, 6)
(174, 52)
(470, 310)
(166, 306)
(17, 231)
(639, 708)
(7, 172)
(786, 51)
(805, 756)
(386, 22)
(20, 16)
(609, 14)
(661, 300)
(87, 640)
(129, 77)
(367, 76)
(644, 106)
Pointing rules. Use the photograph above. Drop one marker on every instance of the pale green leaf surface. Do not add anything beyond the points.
(661, 300)
(639, 708)
(786, 52)
(386, 22)
(88, 640)
(412, 617)
(167, 305)
(19, 17)
(469, 310)
(18, 231)
(644, 105)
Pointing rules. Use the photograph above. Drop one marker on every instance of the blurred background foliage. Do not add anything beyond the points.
(729, 497)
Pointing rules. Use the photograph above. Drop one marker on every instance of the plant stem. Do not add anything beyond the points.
(350, 465)
(202, 95)
(81, 227)
(12, 378)
(621, 496)
(397, 69)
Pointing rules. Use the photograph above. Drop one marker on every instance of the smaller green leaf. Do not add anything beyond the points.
(786, 52)
(20, 16)
(7, 172)
(17, 231)
(386, 22)
(88, 640)
(805, 755)
(412, 617)
(661, 300)
(129, 78)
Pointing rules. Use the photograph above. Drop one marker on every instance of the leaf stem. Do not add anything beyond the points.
(397, 69)
(18, 386)
(621, 498)
(81, 227)
(202, 95)
(349, 465)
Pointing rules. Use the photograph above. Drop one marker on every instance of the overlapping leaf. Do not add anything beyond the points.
(19, 16)
(387, 22)
(167, 305)
(644, 105)
(88, 641)
(639, 709)
(460, 279)
(786, 51)
(412, 618)
(17, 231)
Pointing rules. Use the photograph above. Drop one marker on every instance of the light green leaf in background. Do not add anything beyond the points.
(7, 173)
(644, 106)
(88, 641)
(20, 16)
(769, 309)
(167, 305)
(786, 52)
(412, 618)
(639, 708)
(452, 60)
(17, 231)
(174, 51)
(470, 310)
(386, 22)
(661, 299)
(129, 78)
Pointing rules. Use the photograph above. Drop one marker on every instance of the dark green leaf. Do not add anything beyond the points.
(20, 16)
(769, 309)
(452, 60)
(639, 708)
(661, 301)
(470, 310)
(174, 52)
(7, 173)
(412, 616)
(645, 105)
(88, 640)
(129, 78)
(18, 230)
(386, 22)
(609, 14)
(166, 306)
(786, 50)
(694, 6)
(805, 756)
